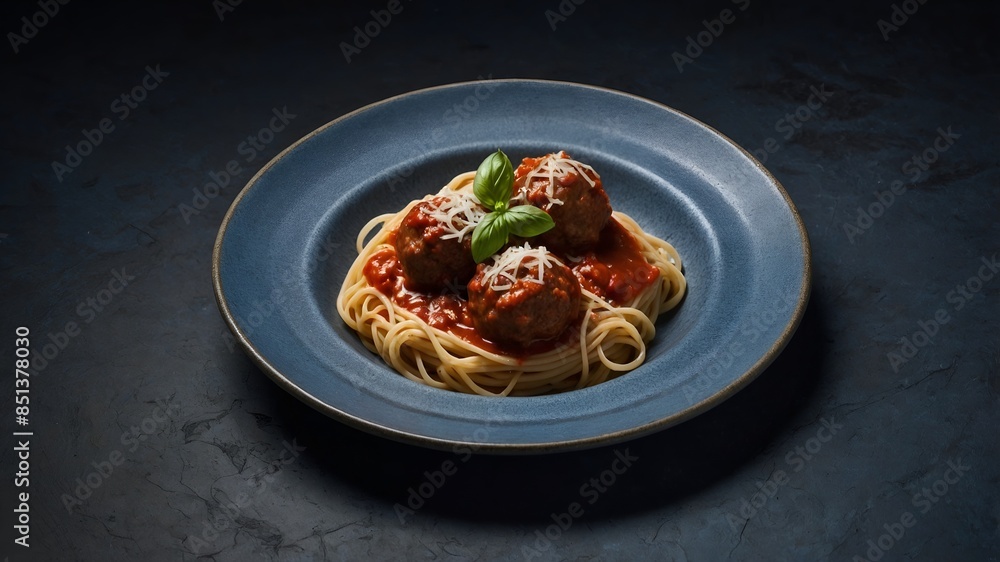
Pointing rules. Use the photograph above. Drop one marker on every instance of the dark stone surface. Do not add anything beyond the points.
(214, 451)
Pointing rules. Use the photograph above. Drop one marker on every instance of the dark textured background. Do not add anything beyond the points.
(213, 469)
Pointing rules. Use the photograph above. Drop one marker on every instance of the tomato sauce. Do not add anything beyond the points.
(614, 270)
(447, 311)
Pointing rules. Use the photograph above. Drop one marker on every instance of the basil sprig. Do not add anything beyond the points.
(493, 187)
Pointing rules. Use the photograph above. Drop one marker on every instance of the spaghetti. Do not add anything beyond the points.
(626, 279)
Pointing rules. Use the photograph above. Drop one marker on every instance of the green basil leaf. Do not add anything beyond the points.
(489, 236)
(494, 181)
(527, 221)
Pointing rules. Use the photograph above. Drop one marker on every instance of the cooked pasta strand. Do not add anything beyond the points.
(612, 339)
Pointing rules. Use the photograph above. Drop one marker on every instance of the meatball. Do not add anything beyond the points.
(571, 193)
(524, 295)
(434, 242)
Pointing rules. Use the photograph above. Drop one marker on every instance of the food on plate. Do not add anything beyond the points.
(524, 295)
(434, 242)
(571, 193)
(511, 283)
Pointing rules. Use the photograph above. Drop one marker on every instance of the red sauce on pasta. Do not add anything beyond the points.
(447, 312)
(614, 270)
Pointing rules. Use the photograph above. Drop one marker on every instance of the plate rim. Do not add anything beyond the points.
(618, 436)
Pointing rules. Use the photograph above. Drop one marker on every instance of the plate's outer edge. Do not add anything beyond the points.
(515, 448)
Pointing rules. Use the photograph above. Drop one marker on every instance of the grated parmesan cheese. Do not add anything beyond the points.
(502, 273)
(554, 166)
(458, 213)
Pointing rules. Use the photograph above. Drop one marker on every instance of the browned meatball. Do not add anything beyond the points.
(571, 193)
(434, 242)
(511, 303)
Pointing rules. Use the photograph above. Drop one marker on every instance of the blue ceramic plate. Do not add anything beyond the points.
(287, 242)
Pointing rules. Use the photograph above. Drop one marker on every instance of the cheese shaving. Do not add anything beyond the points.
(458, 213)
(503, 272)
(555, 166)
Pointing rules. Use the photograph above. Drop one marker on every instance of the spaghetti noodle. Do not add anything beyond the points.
(427, 336)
